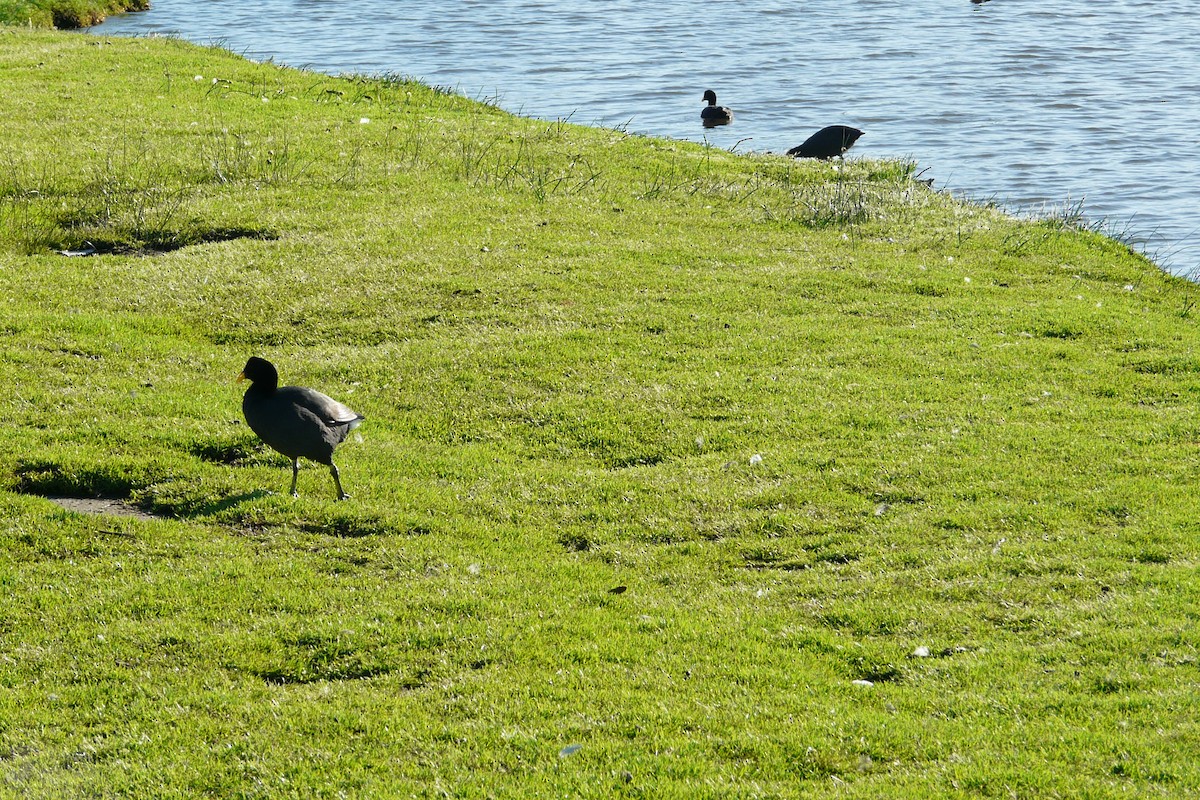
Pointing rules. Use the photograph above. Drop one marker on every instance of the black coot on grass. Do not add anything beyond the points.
(713, 114)
(295, 421)
(826, 143)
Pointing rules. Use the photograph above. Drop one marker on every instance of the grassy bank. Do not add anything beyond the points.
(64, 13)
(898, 489)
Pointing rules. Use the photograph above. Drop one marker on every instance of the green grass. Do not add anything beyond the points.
(64, 13)
(812, 417)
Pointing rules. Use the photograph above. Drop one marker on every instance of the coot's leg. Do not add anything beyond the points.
(337, 481)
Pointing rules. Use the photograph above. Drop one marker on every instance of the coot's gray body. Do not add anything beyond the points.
(296, 421)
(829, 142)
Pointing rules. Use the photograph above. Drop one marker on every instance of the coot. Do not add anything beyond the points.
(713, 114)
(826, 143)
(295, 421)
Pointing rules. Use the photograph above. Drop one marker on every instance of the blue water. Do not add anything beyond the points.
(1038, 106)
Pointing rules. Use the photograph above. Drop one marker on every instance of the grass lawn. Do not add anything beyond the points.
(684, 474)
(64, 13)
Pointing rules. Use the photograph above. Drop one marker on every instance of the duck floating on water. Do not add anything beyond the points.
(712, 114)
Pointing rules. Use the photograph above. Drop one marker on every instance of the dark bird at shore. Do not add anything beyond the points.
(713, 114)
(830, 142)
(295, 421)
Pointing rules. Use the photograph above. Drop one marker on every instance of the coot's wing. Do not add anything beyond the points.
(324, 407)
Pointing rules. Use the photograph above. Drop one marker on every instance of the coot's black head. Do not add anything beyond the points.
(710, 97)
(261, 373)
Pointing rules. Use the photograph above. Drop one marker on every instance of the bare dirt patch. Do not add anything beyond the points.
(111, 507)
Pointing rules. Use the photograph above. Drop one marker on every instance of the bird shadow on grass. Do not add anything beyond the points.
(164, 495)
(206, 507)
(247, 511)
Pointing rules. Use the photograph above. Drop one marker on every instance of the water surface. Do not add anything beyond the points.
(1038, 106)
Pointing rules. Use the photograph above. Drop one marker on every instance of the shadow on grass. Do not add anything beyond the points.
(152, 242)
(112, 487)
(223, 452)
(51, 479)
(135, 486)
(317, 656)
(356, 527)
(204, 507)
(312, 659)
(313, 673)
